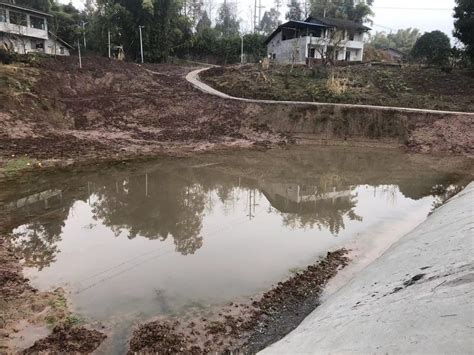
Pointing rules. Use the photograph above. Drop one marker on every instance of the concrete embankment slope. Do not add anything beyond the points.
(416, 298)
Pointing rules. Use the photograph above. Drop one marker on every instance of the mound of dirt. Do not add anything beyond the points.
(66, 339)
(53, 109)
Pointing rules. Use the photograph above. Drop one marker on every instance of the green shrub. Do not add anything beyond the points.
(5, 56)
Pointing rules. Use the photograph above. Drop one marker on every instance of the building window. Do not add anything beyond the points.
(17, 18)
(37, 22)
(61, 50)
(3, 15)
(351, 36)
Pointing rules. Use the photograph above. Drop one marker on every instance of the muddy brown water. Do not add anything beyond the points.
(171, 236)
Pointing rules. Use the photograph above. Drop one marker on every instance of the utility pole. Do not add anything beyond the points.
(108, 40)
(255, 17)
(84, 33)
(242, 49)
(79, 52)
(141, 41)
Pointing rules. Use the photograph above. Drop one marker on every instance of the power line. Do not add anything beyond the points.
(413, 8)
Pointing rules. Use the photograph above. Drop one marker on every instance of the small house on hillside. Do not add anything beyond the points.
(25, 30)
(317, 38)
(395, 55)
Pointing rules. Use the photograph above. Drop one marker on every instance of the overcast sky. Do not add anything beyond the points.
(427, 15)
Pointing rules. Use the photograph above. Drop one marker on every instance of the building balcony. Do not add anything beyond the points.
(23, 30)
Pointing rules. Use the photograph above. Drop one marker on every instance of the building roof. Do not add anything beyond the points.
(60, 40)
(394, 50)
(337, 22)
(23, 8)
(294, 25)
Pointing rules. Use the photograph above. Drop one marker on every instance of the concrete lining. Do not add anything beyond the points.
(416, 298)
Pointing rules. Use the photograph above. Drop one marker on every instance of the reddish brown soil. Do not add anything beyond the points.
(66, 339)
(53, 109)
(242, 327)
(22, 305)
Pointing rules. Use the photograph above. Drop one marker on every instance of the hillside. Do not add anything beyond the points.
(408, 86)
(52, 109)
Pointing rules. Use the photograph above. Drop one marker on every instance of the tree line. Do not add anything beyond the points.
(184, 28)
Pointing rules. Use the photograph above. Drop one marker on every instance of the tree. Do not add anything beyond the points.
(203, 23)
(403, 40)
(66, 22)
(295, 12)
(464, 25)
(227, 23)
(358, 11)
(269, 21)
(42, 5)
(432, 48)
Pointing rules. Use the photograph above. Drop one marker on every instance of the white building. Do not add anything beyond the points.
(25, 30)
(317, 38)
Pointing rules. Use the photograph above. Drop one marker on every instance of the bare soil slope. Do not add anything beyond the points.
(53, 109)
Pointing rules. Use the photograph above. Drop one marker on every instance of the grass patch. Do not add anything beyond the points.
(407, 86)
(14, 165)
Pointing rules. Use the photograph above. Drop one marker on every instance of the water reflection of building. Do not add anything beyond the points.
(294, 198)
(310, 206)
(38, 201)
(36, 238)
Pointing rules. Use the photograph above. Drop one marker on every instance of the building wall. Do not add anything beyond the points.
(282, 51)
(24, 45)
(28, 30)
(56, 48)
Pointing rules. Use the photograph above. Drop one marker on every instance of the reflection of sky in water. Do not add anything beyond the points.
(132, 244)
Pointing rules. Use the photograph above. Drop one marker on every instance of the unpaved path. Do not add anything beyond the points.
(194, 79)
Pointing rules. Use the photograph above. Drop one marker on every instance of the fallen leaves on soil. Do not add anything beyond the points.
(233, 328)
(66, 339)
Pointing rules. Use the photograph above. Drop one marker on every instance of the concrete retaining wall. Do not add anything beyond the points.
(416, 298)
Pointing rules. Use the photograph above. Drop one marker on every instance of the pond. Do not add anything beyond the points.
(136, 240)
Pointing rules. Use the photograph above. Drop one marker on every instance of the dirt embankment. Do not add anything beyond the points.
(23, 307)
(53, 109)
(407, 86)
(243, 327)
(417, 130)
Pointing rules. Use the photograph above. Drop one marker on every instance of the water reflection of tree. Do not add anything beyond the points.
(155, 206)
(327, 214)
(36, 242)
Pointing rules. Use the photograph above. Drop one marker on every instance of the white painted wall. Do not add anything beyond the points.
(24, 45)
(283, 50)
(6, 26)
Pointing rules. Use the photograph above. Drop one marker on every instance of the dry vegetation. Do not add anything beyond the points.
(407, 86)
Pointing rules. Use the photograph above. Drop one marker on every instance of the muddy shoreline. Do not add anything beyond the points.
(248, 325)
(23, 306)
(245, 326)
